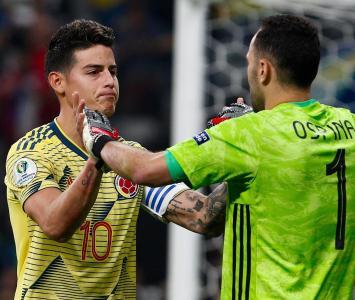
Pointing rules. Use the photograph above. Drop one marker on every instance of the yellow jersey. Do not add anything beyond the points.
(99, 261)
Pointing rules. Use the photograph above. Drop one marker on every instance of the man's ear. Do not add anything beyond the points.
(57, 82)
(265, 71)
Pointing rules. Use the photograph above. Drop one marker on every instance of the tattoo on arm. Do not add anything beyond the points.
(216, 212)
(200, 213)
(198, 205)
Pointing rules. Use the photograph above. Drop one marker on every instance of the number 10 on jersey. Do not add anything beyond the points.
(86, 228)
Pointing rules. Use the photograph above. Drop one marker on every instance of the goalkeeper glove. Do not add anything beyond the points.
(235, 110)
(97, 131)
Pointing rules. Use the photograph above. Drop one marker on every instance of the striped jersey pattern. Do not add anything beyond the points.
(241, 243)
(99, 261)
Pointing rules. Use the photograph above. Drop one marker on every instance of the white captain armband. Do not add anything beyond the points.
(157, 199)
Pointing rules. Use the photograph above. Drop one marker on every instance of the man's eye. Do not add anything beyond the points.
(93, 72)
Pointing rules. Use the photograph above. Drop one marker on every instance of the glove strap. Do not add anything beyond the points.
(99, 143)
(99, 164)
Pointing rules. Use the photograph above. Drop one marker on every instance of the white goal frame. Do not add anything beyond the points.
(187, 120)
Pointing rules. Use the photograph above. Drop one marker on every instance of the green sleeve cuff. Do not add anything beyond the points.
(175, 170)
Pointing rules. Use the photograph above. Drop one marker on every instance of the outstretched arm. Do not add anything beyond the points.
(199, 213)
(140, 166)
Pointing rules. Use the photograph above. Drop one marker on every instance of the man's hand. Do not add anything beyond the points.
(97, 131)
(78, 107)
(94, 128)
(235, 110)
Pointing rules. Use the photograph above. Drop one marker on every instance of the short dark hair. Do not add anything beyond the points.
(292, 43)
(77, 35)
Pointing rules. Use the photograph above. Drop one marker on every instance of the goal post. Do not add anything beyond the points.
(187, 120)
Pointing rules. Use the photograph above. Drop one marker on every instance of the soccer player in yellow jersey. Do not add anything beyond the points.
(75, 226)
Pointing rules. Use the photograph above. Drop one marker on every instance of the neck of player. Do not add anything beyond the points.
(279, 94)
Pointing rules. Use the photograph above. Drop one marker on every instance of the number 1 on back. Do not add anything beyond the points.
(338, 166)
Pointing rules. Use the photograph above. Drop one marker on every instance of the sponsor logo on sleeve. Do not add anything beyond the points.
(25, 170)
(201, 138)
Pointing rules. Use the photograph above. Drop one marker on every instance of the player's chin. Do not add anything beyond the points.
(108, 107)
(109, 111)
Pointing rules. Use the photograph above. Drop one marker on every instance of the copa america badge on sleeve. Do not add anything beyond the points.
(25, 170)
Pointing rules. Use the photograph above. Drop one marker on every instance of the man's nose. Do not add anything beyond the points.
(108, 78)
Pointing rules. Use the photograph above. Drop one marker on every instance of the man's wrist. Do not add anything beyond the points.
(99, 164)
(99, 143)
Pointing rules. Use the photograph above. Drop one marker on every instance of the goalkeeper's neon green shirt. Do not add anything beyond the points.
(290, 220)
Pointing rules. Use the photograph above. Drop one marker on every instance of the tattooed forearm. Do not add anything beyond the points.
(199, 213)
(216, 209)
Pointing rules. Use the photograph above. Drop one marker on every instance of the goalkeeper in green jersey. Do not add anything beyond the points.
(290, 170)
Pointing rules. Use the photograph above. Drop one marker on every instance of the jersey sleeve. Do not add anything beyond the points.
(226, 152)
(28, 172)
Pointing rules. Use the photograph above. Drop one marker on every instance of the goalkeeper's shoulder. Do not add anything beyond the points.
(249, 121)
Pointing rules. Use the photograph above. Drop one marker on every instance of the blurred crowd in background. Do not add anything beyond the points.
(144, 56)
(143, 52)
